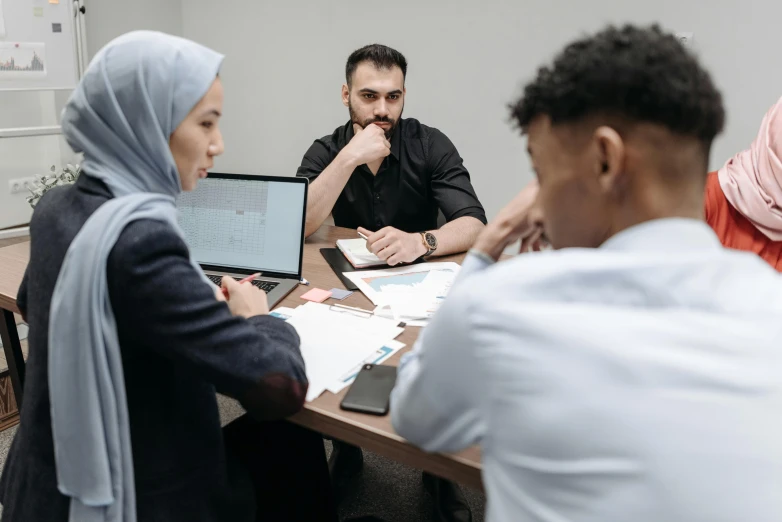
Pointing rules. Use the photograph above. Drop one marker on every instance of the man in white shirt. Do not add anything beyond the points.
(634, 373)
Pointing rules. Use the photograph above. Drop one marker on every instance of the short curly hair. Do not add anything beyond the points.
(640, 74)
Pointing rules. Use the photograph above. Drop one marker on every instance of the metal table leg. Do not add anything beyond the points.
(13, 354)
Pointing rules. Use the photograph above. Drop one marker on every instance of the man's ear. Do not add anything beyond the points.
(611, 158)
(345, 95)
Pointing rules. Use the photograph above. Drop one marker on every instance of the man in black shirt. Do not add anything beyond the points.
(388, 176)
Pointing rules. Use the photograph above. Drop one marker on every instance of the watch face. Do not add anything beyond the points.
(431, 241)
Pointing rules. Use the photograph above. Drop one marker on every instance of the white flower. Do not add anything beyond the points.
(67, 176)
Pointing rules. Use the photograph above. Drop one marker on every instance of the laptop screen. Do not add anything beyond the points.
(245, 222)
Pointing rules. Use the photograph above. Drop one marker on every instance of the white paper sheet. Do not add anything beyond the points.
(411, 294)
(333, 343)
(21, 60)
(390, 348)
(2, 21)
(407, 280)
(283, 312)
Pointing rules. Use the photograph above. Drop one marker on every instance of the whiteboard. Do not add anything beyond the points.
(37, 45)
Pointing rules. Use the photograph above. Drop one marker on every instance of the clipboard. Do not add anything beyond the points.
(339, 264)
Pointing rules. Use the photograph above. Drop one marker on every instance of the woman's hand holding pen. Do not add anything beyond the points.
(245, 300)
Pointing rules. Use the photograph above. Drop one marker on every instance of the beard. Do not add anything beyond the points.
(363, 124)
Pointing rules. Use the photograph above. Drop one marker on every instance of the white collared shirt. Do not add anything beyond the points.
(637, 382)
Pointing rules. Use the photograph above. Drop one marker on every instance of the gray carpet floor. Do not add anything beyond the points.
(384, 489)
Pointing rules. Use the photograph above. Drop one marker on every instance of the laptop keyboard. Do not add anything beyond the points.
(266, 286)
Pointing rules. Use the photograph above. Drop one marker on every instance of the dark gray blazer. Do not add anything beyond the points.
(179, 345)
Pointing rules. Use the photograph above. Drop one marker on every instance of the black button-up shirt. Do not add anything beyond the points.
(423, 173)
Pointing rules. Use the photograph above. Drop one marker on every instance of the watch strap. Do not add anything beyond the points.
(429, 250)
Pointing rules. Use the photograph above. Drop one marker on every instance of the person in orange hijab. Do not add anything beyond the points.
(743, 201)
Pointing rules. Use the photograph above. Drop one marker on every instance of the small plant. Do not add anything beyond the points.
(44, 184)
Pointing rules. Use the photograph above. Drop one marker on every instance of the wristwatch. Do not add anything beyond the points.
(430, 242)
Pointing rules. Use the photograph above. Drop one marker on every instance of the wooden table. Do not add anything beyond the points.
(323, 414)
(13, 261)
(369, 431)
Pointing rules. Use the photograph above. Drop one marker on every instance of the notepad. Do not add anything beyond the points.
(339, 294)
(316, 295)
(355, 251)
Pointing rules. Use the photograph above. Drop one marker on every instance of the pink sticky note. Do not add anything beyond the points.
(316, 295)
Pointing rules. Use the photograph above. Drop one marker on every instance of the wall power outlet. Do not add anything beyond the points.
(20, 185)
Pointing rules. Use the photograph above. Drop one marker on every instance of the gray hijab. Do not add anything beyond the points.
(135, 93)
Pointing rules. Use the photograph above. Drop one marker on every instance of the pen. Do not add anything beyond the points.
(362, 235)
(245, 280)
(353, 309)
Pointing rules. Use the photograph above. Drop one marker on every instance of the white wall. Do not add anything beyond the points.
(107, 19)
(22, 157)
(467, 60)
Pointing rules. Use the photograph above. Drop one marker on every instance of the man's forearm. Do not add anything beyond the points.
(457, 236)
(324, 191)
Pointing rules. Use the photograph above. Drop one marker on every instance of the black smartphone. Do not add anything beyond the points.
(371, 391)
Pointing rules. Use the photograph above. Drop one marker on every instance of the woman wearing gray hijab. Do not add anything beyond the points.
(128, 339)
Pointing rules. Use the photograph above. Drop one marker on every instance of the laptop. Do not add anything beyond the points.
(236, 225)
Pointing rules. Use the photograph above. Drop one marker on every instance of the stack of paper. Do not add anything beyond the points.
(335, 344)
(411, 294)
